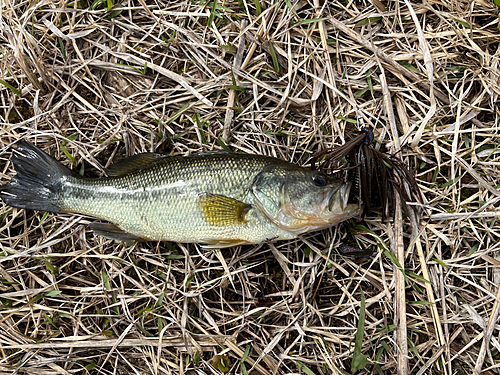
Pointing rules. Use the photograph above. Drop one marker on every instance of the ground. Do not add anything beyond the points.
(91, 83)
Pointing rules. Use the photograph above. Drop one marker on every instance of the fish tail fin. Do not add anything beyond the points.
(38, 180)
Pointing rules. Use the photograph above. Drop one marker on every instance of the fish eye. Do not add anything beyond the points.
(319, 180)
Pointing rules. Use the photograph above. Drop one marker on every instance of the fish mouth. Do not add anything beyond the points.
(342, 205)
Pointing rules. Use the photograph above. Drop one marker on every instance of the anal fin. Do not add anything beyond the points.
(112, 232)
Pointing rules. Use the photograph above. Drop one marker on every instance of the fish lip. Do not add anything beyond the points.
(330, 198)
(343, 195)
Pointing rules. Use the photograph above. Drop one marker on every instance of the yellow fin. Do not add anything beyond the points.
(132, 163)
(222, 211)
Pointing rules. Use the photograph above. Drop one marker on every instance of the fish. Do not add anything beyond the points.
(218, 199)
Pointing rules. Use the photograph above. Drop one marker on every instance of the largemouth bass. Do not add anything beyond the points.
(220, 199)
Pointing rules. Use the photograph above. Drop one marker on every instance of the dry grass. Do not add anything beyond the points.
(91, 86)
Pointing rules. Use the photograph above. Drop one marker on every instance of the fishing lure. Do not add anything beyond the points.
(376, 174)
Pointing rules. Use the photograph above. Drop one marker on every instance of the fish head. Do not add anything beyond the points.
(300, 200)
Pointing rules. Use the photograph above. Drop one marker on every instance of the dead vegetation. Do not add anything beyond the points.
(93, 82)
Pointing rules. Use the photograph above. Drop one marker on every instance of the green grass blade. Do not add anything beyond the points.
(359, 360)
(276, 65)
(258, 8)
(212, 13)
(10, 87)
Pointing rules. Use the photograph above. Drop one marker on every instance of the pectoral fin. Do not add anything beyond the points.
(112, 232)
(220, 211)
(132, 163)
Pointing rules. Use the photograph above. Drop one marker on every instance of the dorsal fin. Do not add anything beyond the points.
(132, 163)
(213, 152)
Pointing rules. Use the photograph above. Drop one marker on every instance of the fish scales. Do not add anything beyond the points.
(221, 199)
(160, 201)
